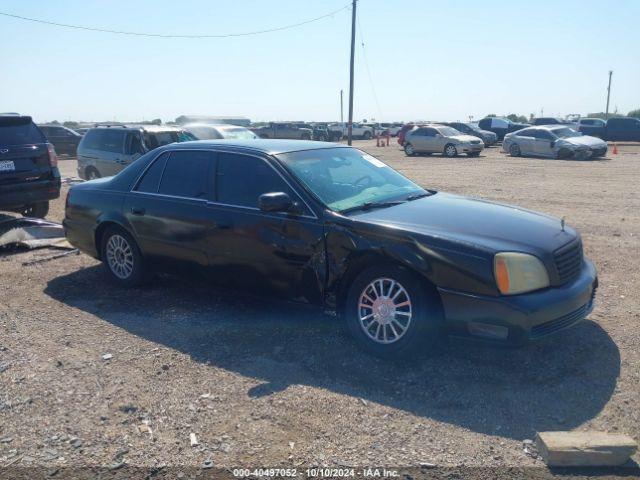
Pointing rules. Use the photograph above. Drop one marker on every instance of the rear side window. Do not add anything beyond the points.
(17, 132)
(242, 179)
(151, 179)
(105, 140)
(112, 141)
(186, 174)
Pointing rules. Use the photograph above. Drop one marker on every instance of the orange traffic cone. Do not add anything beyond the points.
(615, 149)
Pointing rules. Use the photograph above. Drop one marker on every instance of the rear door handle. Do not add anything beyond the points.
(138, 211)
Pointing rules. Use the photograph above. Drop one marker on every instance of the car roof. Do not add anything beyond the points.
(212, 125)
(262, 145)
(146, 128)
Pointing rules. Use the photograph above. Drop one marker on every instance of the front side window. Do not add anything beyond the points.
(186, 174)
(527, 132)
(134, 143)
(346, 178)
(241, 179)
(544, 135)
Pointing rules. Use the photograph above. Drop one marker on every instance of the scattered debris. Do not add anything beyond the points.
(291, 445)
(193, 439)
(426, 465)
(30, 233)
(592, 449)
(208, 463)
(107, 356)
(76, 443)
(4, 367)
(364, 402)
(128, 408)
(6, 440)
(52, 257)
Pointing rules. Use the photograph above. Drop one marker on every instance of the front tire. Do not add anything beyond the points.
(450, 150)
(409, 151)
(92, 173)
(122, 258)
(390, 312)
(514, 150)
(367, 135)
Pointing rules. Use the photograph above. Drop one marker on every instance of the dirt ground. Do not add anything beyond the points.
(263, 383)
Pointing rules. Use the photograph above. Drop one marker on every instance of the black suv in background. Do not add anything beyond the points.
(64, 139)
(29, 175)
(105, 150)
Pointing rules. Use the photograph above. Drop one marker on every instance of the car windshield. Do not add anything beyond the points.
(565, 133)
(347, 178)
(238, 133)
(448, 131)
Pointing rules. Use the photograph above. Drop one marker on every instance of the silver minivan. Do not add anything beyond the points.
(105, 150)
(448, 141)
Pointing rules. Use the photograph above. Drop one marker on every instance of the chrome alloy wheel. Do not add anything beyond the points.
(450, 151)
(408, 149)
(384, 310)
(120, 256)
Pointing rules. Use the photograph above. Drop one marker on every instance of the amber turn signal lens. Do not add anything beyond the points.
(502, 275)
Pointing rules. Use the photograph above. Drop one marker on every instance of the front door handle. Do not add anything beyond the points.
(138, 211)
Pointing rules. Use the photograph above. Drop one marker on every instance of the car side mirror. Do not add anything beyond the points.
(275, 202)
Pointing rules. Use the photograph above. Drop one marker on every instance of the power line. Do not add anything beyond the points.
(366, 64)
(160, 35)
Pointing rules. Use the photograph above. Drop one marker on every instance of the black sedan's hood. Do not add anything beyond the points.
(489, 226)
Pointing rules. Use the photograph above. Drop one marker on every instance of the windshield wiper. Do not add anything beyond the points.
(369, 205)
(416, 196)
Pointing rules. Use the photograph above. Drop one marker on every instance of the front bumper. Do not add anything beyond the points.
(519, 319)
(470, 147)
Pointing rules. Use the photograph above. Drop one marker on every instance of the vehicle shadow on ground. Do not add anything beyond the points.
(557, 384)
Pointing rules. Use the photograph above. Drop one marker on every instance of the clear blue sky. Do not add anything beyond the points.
(429, 59)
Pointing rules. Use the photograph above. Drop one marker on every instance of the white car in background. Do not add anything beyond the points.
(203, 131)
(553, 141)
(358, 130)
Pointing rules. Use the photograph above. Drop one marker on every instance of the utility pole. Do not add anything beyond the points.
(606, 113)
(353, 53)
(341, 108)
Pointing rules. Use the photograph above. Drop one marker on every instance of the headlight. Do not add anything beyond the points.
(518, 273)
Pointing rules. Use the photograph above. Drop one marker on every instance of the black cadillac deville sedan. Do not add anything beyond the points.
(335, 227)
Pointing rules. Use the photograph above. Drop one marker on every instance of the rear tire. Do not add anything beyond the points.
(37, 210)
(450, 150)
(395, 318)
(367, 135)
(122, 258)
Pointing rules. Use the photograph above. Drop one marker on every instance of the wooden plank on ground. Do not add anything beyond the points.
(570, 449)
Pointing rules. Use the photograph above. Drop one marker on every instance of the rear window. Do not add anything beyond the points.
(159, 139)
(19, 132)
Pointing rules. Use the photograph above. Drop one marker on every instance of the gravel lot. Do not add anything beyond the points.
(263, 383)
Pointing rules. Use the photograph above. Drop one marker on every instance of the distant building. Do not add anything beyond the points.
(241, 121)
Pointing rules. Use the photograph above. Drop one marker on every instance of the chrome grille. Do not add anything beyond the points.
(568, 260)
